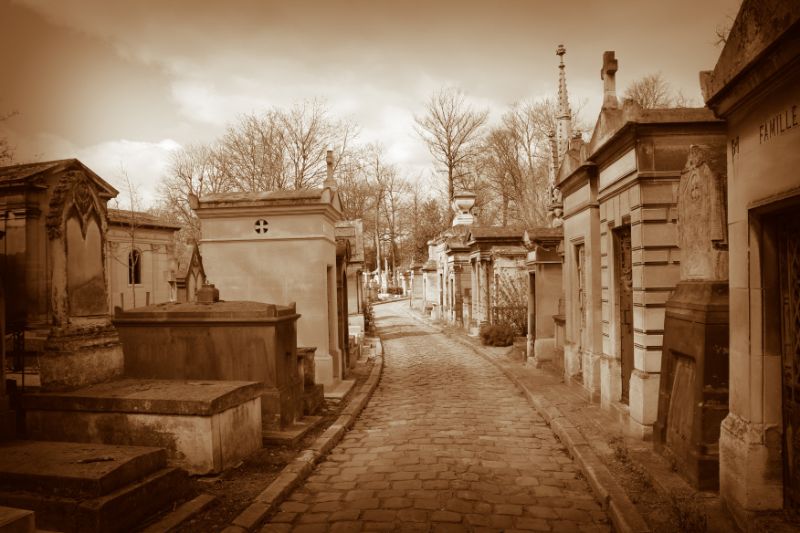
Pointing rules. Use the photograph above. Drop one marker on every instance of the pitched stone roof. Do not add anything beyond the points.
(17, 175)
(139, 218)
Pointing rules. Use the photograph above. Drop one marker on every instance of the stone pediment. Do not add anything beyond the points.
(39, 175)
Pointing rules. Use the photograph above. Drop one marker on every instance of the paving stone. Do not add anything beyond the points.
(447, 443)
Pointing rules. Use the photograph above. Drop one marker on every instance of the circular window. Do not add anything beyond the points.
(261, 226)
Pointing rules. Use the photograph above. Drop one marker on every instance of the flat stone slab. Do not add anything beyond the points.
(74, 469)
(15, 520)
(205, 426)
(293, 433)
(149, 396)
(340, 390)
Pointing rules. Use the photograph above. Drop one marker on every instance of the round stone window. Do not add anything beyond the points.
(261, 226)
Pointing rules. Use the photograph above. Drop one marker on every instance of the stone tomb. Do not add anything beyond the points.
(280, 246)
(544, 292)
(205, 426)
(246, 341)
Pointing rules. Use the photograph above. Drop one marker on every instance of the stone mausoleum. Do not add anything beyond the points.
(280, 247)
(754, 87)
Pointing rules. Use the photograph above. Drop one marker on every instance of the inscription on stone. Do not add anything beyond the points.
(778, 124)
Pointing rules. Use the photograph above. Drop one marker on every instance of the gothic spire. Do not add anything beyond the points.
(563, 113)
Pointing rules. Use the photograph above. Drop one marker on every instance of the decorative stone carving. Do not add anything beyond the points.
(73, 190)
(702, 216)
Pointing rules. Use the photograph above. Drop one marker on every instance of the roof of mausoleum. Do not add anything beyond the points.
(221, 310)
(122, 217)
(185, 256)
(301, 201)
(30, 173)
(508, 250)
(763, 40)
(545, 236)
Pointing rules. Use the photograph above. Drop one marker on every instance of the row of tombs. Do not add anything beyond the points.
(128, 405)
(666, 285)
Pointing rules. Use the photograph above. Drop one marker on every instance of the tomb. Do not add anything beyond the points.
(543, 265)
(220, 340)
(754, 88)
(54, 270)
(56, 258)
(204, 426)
(693, 396)
(141, 251)
(280, 247)
(187, 275)
(353, 232)
(492, 252)
(450, 285)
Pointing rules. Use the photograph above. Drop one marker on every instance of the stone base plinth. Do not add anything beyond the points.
(77, 356)
(543, 351)
(750, 468)
(693, 397)
(205, 426)
(643, 403)
(313, 398)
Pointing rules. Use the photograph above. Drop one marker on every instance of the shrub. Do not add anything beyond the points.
(498, 335)
(369, 319)
(395, 290)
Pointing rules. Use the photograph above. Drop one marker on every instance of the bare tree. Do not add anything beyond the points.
(130, 220)
(451, 129)
(196, 170)
(307, 135)
(6, 150)
(252, 152)
(651, 92)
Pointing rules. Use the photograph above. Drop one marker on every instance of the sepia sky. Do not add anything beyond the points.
(120, 84)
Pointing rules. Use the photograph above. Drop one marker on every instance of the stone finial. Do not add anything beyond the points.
(608, 75)
(462, 205)
(207, 294)
(329, 181)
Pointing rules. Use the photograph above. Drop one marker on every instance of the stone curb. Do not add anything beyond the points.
(175, 518)
(301, 466)
(624, 515)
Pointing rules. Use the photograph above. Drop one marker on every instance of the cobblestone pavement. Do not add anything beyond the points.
(447, 443)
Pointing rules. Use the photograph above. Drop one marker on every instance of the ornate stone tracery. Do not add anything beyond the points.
(74, 194)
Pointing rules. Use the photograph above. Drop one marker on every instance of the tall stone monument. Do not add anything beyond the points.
(693, 395)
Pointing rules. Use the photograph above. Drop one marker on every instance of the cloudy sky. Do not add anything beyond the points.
(121, 84)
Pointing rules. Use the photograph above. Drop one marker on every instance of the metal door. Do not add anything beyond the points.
(789, 246)
(625, 299)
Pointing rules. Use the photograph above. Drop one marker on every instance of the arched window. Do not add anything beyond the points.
(134, 267)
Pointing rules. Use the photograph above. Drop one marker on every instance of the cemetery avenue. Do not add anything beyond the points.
(445, 444)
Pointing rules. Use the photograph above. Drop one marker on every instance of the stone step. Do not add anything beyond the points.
(205, 426)
(14, 520)
(74, 469)
(121, 510)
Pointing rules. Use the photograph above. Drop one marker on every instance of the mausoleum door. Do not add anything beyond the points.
(789, 245)
(582, 304)
(622, 238)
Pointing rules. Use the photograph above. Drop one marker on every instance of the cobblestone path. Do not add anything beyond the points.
(447, 443)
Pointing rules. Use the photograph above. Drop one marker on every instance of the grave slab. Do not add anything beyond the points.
(205, 426)
(87, 486)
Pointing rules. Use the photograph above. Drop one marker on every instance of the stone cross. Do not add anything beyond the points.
(607, 74)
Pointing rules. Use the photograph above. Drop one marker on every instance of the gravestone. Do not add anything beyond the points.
(693, 395)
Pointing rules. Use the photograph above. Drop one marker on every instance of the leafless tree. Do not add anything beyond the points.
(451, 129)
(651, 92)
(6, 150)
(194, 170)
(252, 152)
(131, 219)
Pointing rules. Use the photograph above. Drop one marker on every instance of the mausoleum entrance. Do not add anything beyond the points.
(788, 233)
(624, 282)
